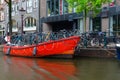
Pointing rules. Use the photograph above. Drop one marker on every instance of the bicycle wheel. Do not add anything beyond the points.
(94, 42)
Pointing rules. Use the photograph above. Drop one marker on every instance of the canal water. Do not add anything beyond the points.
(18, 68)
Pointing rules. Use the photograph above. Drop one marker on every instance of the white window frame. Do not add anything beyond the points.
(29, 6)
(35, 5)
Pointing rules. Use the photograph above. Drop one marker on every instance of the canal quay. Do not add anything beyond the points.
(89, 63)
(79, 68)
(96, 52)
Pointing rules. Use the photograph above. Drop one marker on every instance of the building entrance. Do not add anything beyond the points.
(116, 24)
(68, 25)
(96, 24)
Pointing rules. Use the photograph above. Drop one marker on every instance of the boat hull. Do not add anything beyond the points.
(64, 46)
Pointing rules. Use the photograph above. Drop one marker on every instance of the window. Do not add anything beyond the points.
(34, 22)
(53, 7)
(29, 6)
(13, 9)
(1, 16)
(56, 7)
(23, 4)
(7, 10)
(48, 8)
(30, 22)
(96, 24)
(35, 3)
(14, 24)
(16, 7)
(116, 23)
(65, 7)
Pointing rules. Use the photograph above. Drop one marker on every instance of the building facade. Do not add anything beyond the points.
(59, 15)
(30, 17)
(2, 17)
(54, 15)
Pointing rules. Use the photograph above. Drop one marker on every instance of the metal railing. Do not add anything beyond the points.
(35, 38)
(99, 39)
(88, 39)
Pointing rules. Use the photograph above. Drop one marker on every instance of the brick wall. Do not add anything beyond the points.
(43, 8)
(118, 2)
(105, 24)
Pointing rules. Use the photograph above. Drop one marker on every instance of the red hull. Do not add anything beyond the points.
(58, 47)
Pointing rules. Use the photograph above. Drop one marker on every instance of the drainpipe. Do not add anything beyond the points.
(109, 19)
(39, 19)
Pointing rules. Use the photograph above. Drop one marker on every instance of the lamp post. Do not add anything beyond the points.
(22, 12)
(3, 31)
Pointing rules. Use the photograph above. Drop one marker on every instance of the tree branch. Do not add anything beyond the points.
(6, 1)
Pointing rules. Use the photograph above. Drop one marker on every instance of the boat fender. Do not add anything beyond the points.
(8, 51)
(34, 51)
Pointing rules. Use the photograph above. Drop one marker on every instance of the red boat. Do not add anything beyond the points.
(61, 47)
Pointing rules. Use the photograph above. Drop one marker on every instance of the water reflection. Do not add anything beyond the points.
(18, 68)
(38, 69)
(97, 69)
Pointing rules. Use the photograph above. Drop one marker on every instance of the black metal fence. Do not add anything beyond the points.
(2, 40)
(35, 38)
(99, 39)
(88, 39)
